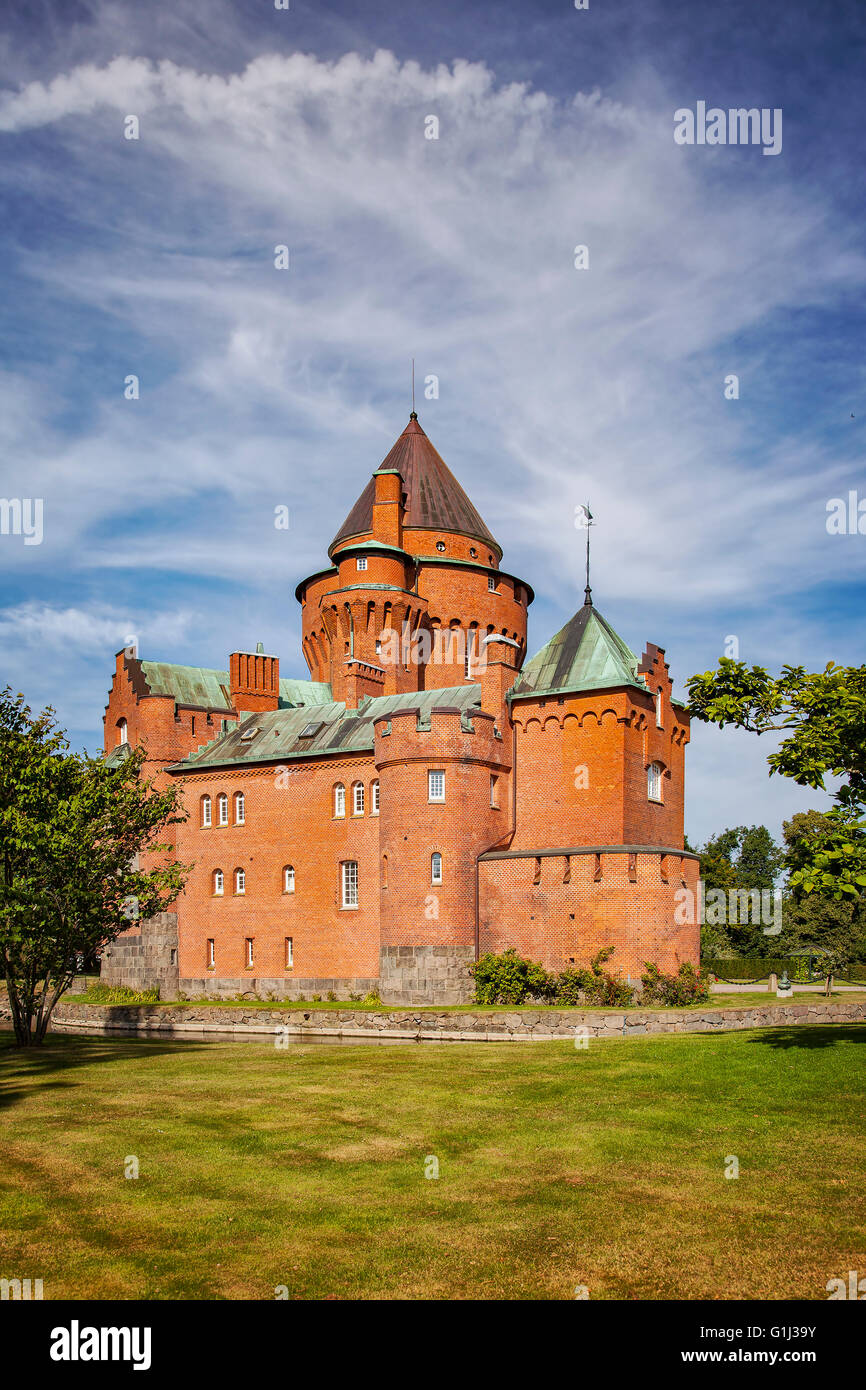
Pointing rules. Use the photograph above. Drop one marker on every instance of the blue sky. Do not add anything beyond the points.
(305, 127)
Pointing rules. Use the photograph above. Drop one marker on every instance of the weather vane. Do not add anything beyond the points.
(583, 519)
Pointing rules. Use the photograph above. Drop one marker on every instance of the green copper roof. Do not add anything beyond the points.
(298, 692)
(207, 689)
(278, 736)
(188, 685)
(586, 654)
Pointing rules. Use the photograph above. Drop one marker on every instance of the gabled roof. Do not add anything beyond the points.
(586, 654)
(279, 733)
(209, 689)
(434, 498)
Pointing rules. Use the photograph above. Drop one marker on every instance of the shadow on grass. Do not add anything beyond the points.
(821, 1035)
(60, 1053)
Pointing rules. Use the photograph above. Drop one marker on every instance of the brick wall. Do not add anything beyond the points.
(557, 908)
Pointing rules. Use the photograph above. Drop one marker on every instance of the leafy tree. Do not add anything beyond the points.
(833, 928)
(824, 714)
(71, 830)
(741, 857)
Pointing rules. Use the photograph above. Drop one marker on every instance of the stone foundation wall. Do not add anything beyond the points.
(426, 1025)
(145, 959)
(260, 987)
(425, 975)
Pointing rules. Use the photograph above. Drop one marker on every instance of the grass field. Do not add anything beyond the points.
(558, 1167)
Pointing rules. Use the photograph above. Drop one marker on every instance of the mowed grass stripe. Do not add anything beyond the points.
(558, 1167)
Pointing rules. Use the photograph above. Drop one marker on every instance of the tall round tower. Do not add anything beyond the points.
(414, 598)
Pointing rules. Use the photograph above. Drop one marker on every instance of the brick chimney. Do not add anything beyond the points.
(496, 672)
(388, 507)
(254, 680)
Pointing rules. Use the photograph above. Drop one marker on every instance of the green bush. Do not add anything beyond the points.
(509, 979)
(120, 994)
(593, 984)
(688, 986)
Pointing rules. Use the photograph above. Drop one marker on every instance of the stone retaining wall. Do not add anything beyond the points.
(430, 1026)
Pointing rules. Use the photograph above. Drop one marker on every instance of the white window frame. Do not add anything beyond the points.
(219, 883)
(222, 809)
(349, 883)
(206, 812)
(660, 708)
(374, 798)
(361, 562)
(339, 801)
(654, 782)
(240, 808)
(289, 878)
(211, 953)
(436, 864)
(491, 583)
(290, 953)
(437, 773)
(122, 732)
(358, 798)
(240, 883)
(248, 947)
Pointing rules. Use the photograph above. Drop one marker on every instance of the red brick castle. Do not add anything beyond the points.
(426, 796)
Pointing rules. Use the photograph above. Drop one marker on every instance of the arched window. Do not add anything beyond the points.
(122, 732)
(218, 883)
(240, 882)
(339, 800)
(654, 782)
(358, 799)
(289, 879)
(374, 798)
(222, 809)
(240, 808)
(660, 705)
(205, 810)
(436, 867)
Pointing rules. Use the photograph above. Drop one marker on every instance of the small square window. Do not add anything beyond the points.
(362, 562)
(491, 583)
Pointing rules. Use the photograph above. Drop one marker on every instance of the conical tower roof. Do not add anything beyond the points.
(434, 498)
(586, 654)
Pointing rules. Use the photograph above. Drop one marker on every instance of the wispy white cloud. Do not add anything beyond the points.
(556, 385)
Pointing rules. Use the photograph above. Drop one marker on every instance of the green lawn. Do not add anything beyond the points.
(557, 1167)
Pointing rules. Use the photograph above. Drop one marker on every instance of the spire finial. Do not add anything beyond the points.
(586, 521)
(413, 415)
